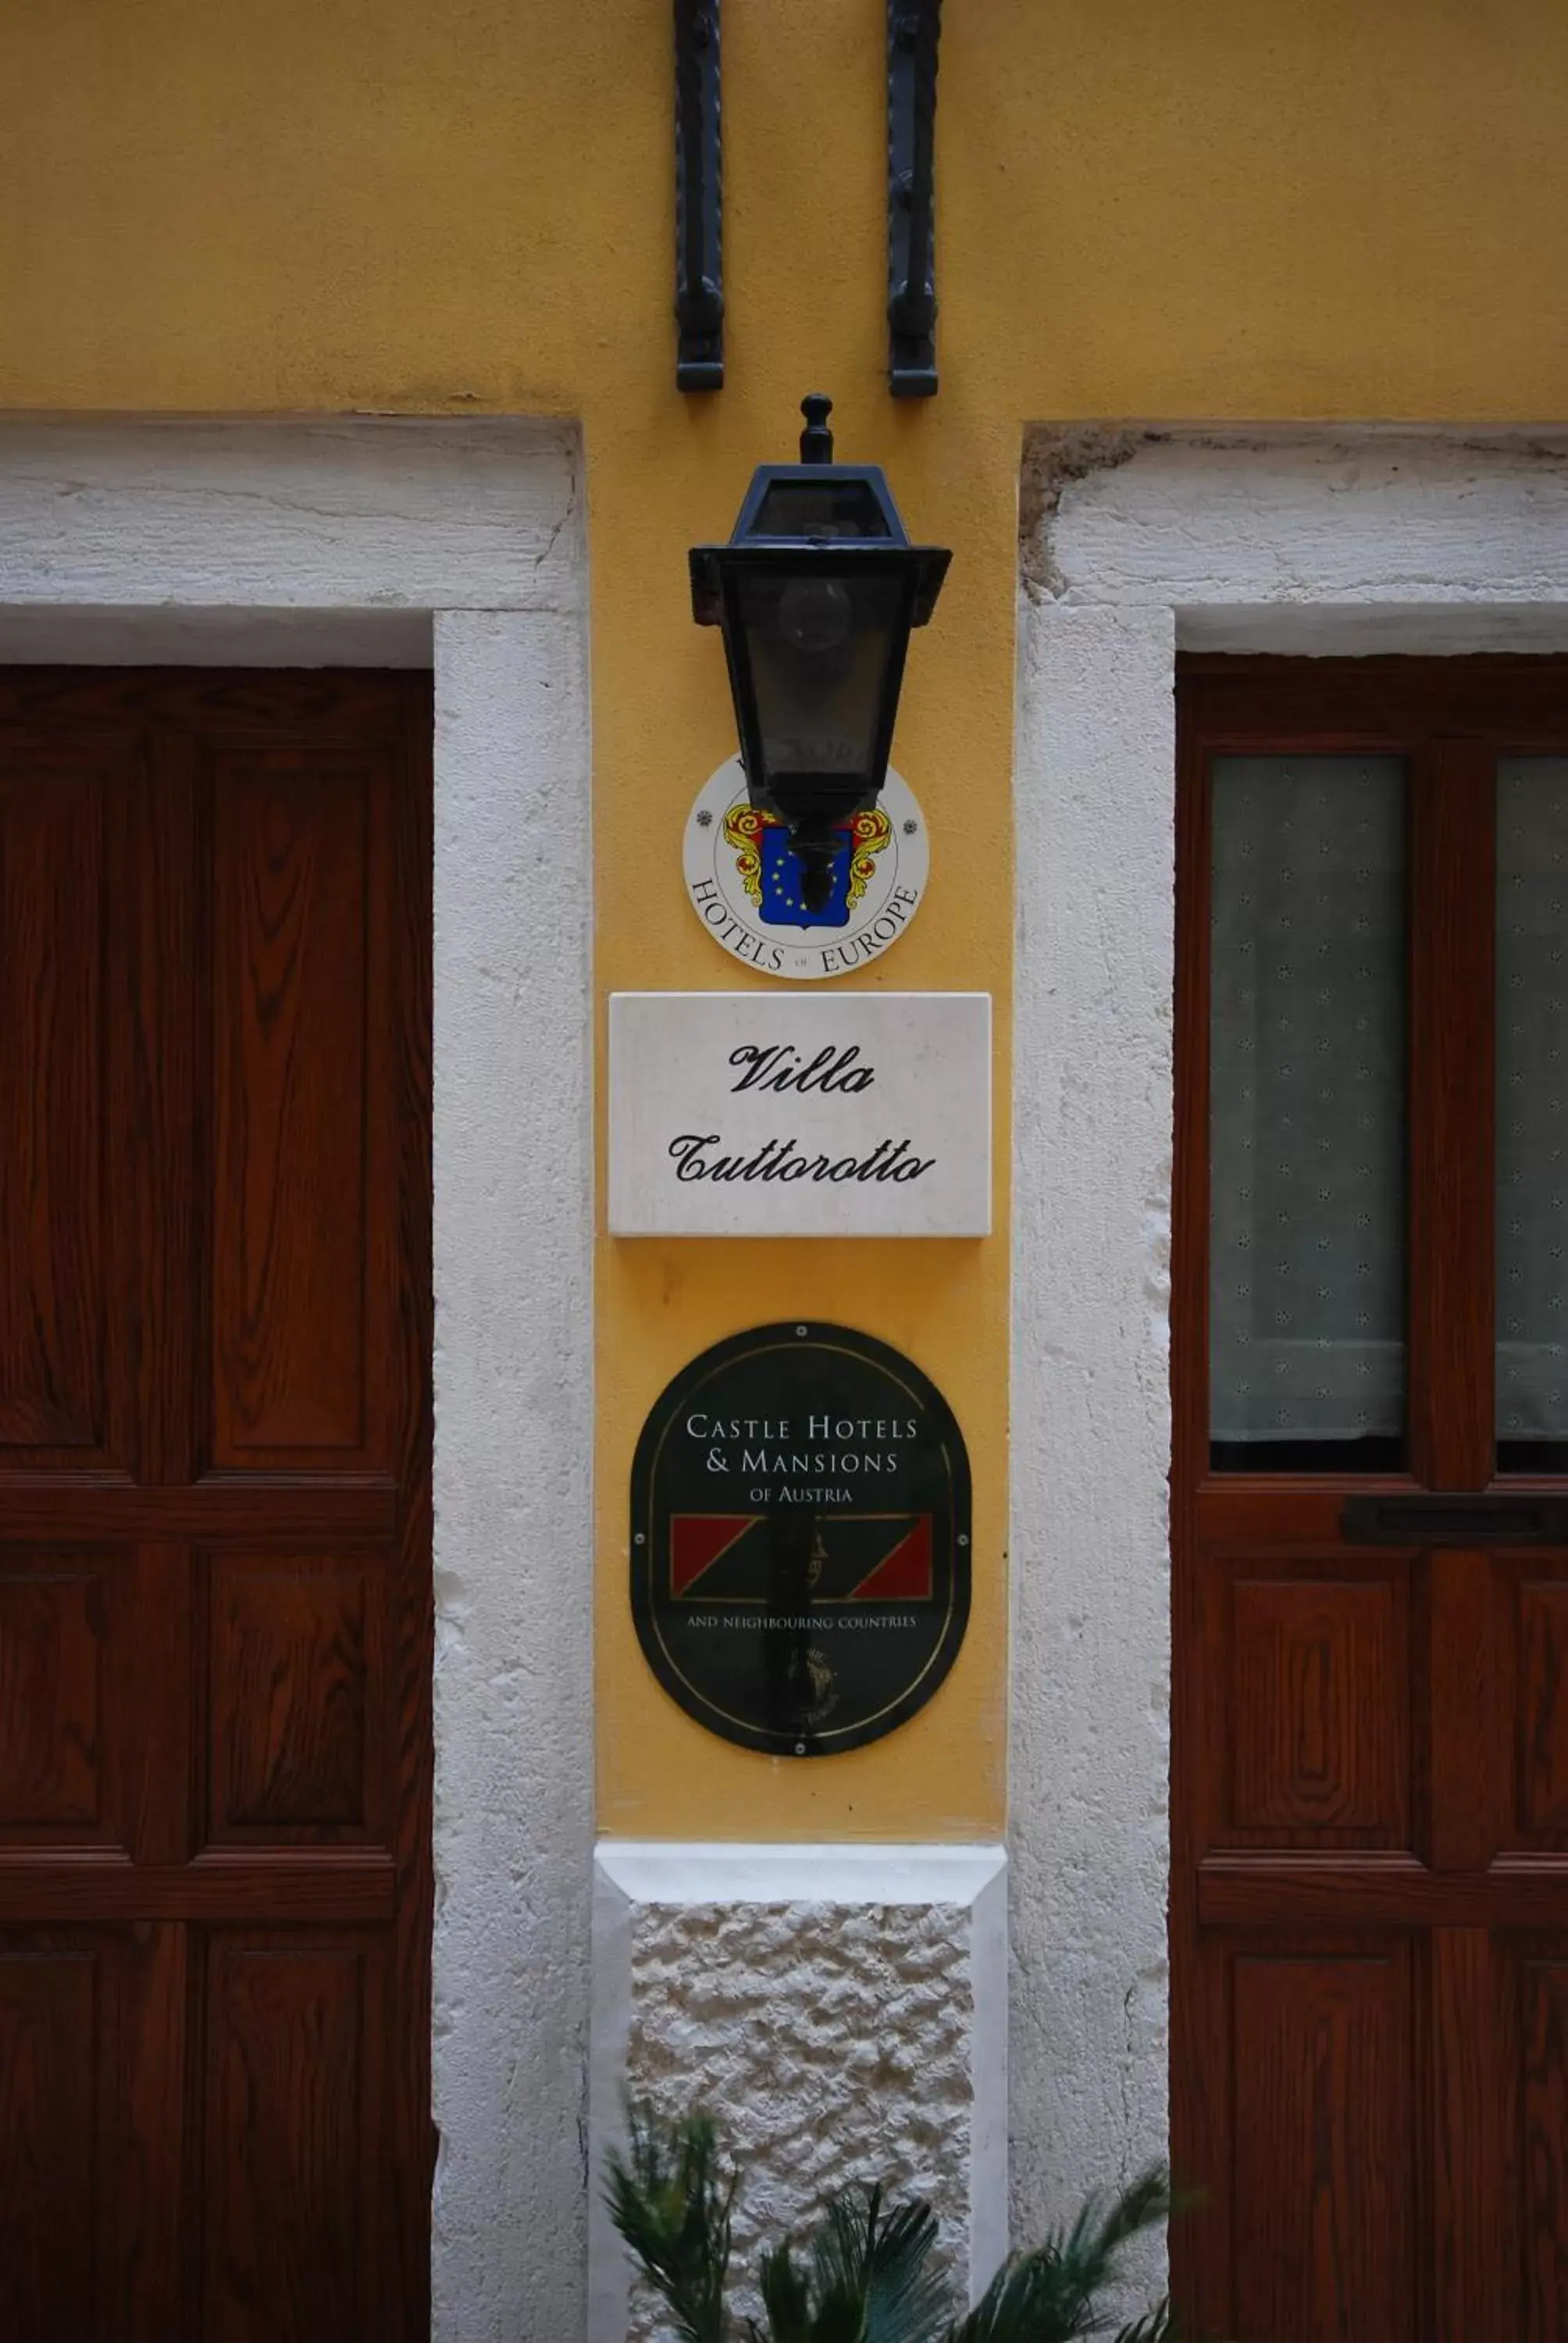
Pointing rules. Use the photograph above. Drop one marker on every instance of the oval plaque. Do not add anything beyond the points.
(801, 1539)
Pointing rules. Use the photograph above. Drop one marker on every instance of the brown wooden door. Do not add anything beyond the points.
(214, 1507)
(1369, 1778)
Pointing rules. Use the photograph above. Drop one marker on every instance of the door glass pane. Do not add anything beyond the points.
(1307, 1114)
(1531, 1113)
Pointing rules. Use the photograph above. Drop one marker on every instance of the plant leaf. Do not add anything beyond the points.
(669, 2204)
(1050, 2295)
(1160, 2327)
(1033, 2298)
(879, 2265)
(1144, 2204)
(786, 2297)
(841, 2318)
(907, 2301)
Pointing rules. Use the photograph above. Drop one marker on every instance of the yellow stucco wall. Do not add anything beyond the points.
(1228, 209)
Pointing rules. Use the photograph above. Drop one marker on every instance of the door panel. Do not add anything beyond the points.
(50, 2049)
(1324, 2129)
(301, 1197)
(214, 1526)
(59, 1755)
(1319, 1743)
(1540, 1993)
(56, 1295)
(1538, 1680)
(1370, 1761)
(300, 1732)
(293, 2165)
(92, 2080)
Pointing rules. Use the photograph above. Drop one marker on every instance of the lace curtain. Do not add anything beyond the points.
(1307, 1099)
(1531, 1098)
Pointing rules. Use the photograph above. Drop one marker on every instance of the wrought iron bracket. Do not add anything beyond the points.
(699, 199)
(914, 29)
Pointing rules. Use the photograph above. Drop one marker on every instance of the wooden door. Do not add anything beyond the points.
(214, 1507)
(1369, 1777)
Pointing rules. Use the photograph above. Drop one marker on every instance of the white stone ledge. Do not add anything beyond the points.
(690, 1871)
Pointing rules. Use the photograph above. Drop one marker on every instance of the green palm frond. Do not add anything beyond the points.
(1145, 2203)
(1160, 2327)
(1033, 2298)
(786, 2299)
(880, 2261)
(865, 2275)
(840, 2318)
(667, 2199)
(1051, 2294)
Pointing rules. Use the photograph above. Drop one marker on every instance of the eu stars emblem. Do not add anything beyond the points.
(769, 869)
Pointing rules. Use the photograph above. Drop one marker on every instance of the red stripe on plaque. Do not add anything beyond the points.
(697, 1541)
(905, 1574)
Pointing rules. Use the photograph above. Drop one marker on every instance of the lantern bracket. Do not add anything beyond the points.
(699, 199)
(914, 30)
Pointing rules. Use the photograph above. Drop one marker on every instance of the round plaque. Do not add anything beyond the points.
(801, 1539)
(744, 881)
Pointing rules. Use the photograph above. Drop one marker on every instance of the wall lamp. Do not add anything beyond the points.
(816, 593)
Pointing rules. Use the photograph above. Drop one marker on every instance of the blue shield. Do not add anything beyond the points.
(782, 904)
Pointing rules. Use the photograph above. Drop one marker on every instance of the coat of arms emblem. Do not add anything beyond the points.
(770, 873)
(744, 881)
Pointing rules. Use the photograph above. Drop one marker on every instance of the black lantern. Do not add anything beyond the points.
(816, 592)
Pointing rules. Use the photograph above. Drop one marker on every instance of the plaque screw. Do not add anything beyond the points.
(799, 1749)
(800, 1329)
(962, 1539)
(640, 1539)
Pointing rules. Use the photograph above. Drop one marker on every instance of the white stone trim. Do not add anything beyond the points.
(1134, 542)
(459, 544)
(890, 1904)
(1237, 521)
(514, 1442)
(690, 1871)
(316, 513)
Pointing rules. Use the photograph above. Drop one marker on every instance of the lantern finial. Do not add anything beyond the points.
(816, 440)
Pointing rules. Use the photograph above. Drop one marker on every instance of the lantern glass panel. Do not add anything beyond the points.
(821, 645)
(815, 508)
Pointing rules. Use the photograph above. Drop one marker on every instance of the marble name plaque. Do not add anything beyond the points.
(768, 1114)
